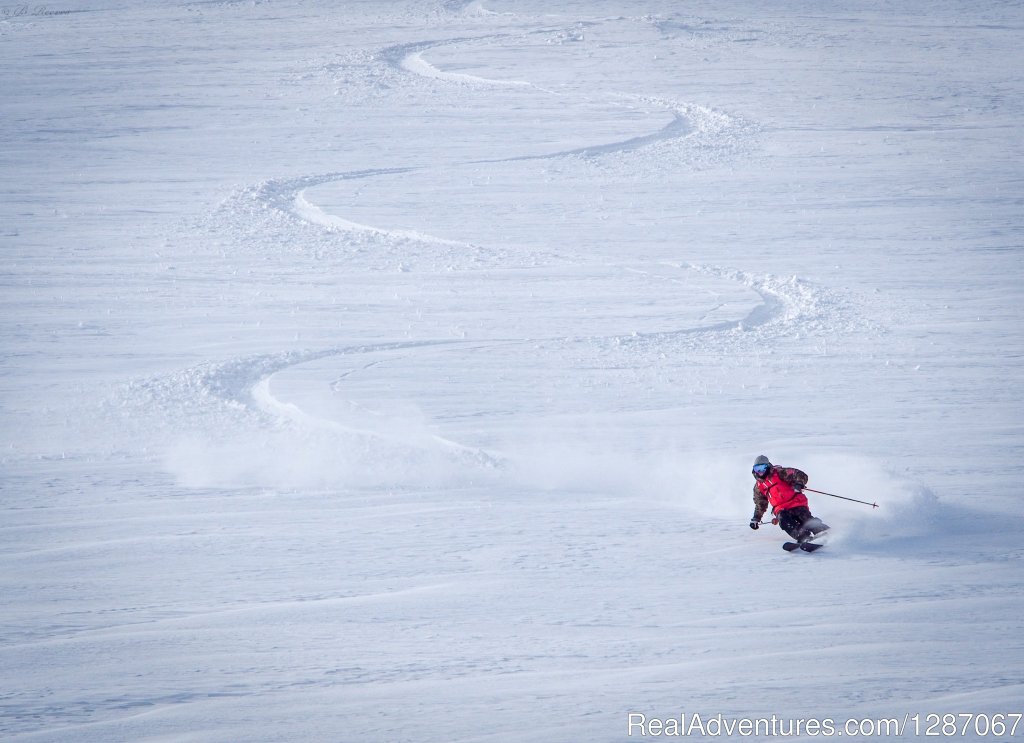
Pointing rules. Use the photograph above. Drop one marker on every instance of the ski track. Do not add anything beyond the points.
(266, 401)
(786, 305)
(241, 387)
(412, 61)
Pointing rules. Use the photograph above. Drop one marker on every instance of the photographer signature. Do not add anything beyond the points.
(22, 11)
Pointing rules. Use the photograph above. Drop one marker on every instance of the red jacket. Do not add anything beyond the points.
(778, 488)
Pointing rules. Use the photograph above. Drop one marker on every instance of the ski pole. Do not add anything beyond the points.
(841, 497)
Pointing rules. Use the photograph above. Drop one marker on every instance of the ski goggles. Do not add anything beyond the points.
(761, 469)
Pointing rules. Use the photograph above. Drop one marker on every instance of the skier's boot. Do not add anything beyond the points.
(811, 529)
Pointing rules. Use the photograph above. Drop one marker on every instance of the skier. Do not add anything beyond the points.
(782, 488)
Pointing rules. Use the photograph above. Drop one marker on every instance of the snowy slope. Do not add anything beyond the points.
(393, 371)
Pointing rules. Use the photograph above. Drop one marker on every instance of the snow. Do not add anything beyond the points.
(393, 371)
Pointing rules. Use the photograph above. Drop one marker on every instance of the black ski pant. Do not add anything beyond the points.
(799, 523)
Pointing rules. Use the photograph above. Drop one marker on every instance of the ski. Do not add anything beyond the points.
(807, 543)
(805, 546)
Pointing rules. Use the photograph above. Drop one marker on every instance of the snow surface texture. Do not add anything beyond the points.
(392, 371)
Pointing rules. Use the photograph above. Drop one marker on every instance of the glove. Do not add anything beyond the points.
(798, 488)
(755, 524)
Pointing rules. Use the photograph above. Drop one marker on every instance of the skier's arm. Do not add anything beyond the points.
(760, 505)
(793, 476)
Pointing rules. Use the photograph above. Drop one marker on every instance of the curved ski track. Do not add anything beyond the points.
(244, 383)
